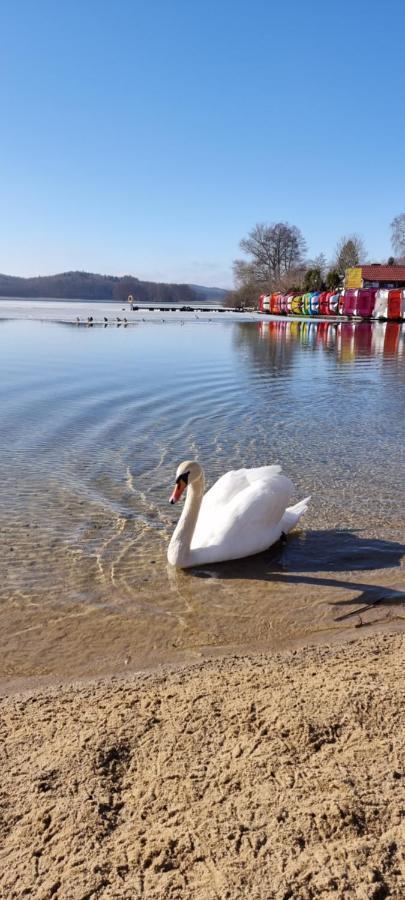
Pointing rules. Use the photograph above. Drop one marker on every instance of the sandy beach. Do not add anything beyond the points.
(261, 777)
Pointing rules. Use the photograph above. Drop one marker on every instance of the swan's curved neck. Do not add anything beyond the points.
(179, 548)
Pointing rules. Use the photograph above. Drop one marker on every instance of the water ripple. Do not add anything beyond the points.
(92, 430)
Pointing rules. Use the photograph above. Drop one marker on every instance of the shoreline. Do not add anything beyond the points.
(65, 312)
(28, 685)
(250, 776)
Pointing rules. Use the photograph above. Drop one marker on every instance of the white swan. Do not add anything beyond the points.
(245, 512)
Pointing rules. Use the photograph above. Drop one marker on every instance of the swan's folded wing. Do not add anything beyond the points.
(248, 522)
(233, 483)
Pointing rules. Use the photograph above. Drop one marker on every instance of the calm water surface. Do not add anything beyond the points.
(93, 424)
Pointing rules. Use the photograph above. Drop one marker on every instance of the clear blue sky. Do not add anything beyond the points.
(148, 138)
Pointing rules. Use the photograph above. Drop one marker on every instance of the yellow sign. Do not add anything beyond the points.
(353, 278)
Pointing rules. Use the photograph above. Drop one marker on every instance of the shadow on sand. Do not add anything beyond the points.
(316, 552)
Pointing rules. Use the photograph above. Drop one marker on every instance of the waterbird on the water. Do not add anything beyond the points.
(244, 513)
(105, 319)
(78, 320)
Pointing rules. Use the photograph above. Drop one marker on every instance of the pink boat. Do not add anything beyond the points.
(350, 303)
(366, 302)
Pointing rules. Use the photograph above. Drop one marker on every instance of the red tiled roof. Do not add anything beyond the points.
(383, 273)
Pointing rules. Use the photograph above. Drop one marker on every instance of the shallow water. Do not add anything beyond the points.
(93, 424)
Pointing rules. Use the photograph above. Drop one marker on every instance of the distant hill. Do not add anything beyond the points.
(90, 286)
(209, 293)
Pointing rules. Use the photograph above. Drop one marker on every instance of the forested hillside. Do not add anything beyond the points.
(90, 286)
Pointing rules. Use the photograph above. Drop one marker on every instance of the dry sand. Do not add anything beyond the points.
(254, 777)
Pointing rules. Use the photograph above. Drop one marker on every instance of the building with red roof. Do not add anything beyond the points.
(375, 275)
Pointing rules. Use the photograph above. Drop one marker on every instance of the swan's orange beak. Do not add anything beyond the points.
(180, 487)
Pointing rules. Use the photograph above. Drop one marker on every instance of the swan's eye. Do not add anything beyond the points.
(183, 477)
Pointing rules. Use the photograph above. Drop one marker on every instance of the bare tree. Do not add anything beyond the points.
(319, 262)
(398, 234)
(350, 251)
(243, 298)
(274, 250)
(291, 281)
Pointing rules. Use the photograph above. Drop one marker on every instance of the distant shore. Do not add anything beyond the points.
(261, 777)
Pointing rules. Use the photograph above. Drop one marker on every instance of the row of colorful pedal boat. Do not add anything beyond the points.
(366, 303)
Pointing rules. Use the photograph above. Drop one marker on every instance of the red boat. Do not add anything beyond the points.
(275, 304)
(395, 304)
(323, 303)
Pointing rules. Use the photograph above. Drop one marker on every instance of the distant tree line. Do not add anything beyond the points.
(151, 291)
(276, 261)
(89, 286)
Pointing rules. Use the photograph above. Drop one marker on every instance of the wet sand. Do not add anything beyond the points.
(237, 608)
(262, 777)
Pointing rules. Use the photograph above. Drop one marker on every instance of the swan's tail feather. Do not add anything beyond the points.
(293, 514)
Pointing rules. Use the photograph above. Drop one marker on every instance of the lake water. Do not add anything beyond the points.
(94, 422)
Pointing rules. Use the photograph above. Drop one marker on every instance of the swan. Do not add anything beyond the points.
(245, 512)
